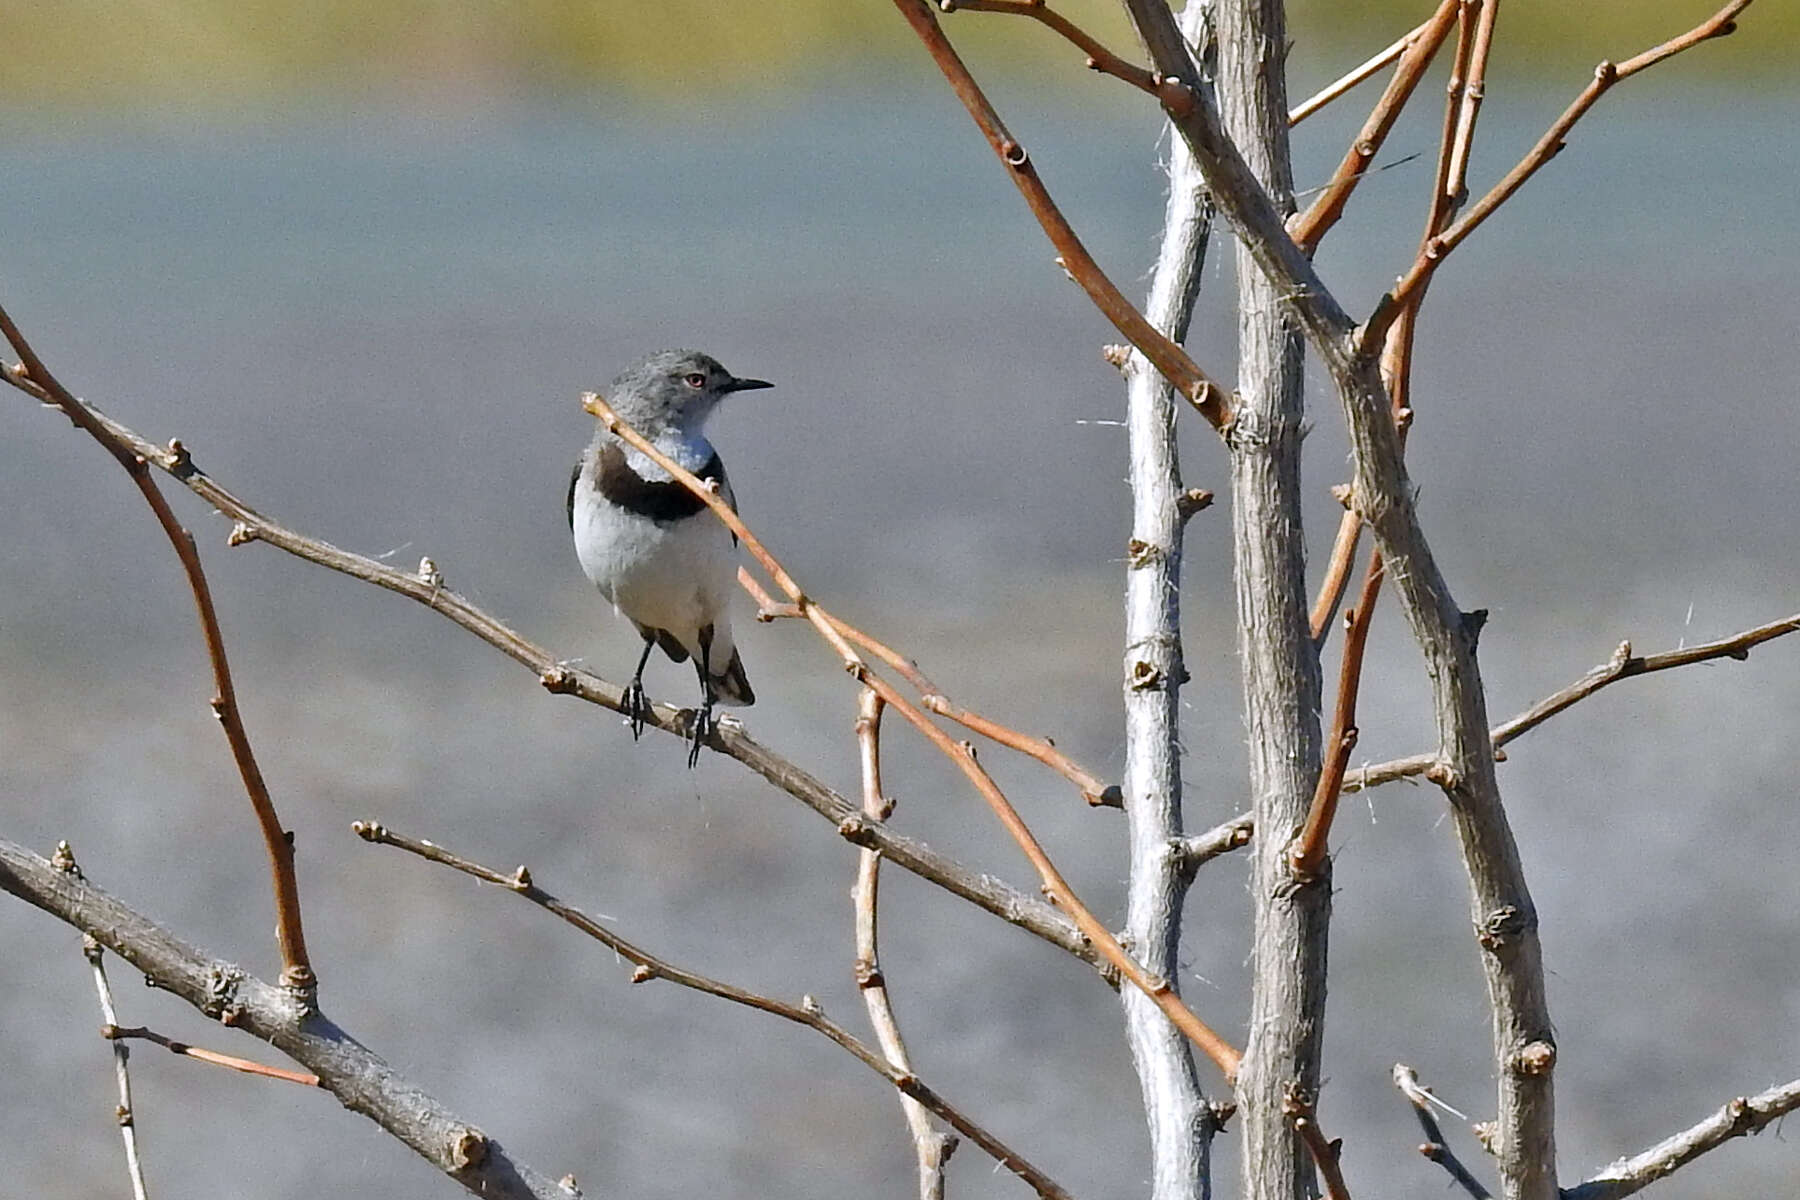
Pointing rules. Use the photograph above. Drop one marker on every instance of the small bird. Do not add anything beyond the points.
(649, 544)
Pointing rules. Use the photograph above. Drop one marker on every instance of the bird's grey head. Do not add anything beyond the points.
(674, 389)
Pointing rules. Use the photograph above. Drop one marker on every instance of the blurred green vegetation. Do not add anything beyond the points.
(216, 53)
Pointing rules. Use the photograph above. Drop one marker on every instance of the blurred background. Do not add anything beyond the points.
(364, 264)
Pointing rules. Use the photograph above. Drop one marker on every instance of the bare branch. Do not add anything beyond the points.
(1435, 1148)
(31, 376)
(1606, 75)
(1746, 1114)
(1474, 87)
(1307, 856)
(932, 1149)
(649, 966)
(1099, 58)
(1355, 76)
(1337, 576)
(1153, 985)
(1312, 225)
(114, 1033)
(1180, 1120)
(127, 1116)
(1095, 792)
(1181, 371)
(729, 738)
(1622, 665)
(359, 1079)
(1201, 848)
(1298, 1107)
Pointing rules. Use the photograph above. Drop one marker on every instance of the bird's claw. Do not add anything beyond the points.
(700, 727)
(637, 708)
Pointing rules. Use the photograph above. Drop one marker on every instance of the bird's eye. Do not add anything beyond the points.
(696, 380)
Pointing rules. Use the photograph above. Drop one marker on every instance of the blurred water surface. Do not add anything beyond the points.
(375, 328)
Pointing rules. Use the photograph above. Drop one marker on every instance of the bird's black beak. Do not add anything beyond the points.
(744, 385)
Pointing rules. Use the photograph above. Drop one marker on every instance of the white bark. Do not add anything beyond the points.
(1180, 1122)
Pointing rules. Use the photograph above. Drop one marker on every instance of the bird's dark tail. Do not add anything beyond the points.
(732, 685)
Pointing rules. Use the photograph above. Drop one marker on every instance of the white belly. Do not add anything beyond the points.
(675, 575)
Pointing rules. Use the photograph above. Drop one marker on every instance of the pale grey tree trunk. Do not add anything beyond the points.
(1180, 1122)
(1280, 666)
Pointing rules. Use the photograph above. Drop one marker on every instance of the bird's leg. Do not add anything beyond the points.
(703, 716)
(637, 705)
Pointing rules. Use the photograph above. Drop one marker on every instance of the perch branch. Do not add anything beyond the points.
(1183, 374)
(932, 697)
(1745, 1114)
(729, 738)
(961, 754)
(1622, 665)
(1606, 75)
(223, 991)
(649, 966)
(931, 1148)
(1435, 1148)
(1099, 58)
(1356, 75)
(31, 376)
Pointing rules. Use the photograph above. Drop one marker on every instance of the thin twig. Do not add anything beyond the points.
(1745, 1114)
(931, 1148)
(960, 753)
(650, 966)
(1298, 1107)
(1196, 850)
(1469, 103)
(64, 860)
(1095, 792)
(1309, 227)
(1355, 75)
(115, 1033)
(1337, 576)
(31, 376)
(1435, 1147)
(1183, 374)
(1622, 665)
(1606, 75)
(1307, 856)
(729, 738)
(1099, 58)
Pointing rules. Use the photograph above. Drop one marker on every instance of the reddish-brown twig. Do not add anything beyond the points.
(1099, 58)
(1183, 374)
(931, 1148)
(1435, 1148)
(1606, 75)
(1223, 1055)
(650, 966)
(1092, 790)
(1309, 227)
(114, 1033)
(1474, 87)
(1356, 75)
(1337, 575)
(1622, 665)
(31, 376)
(1298, 1108)
(1307, 855)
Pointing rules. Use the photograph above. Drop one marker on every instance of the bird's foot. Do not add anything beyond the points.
(637, 708)
(700, 727)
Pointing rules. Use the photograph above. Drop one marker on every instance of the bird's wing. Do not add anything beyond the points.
(569, 504)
